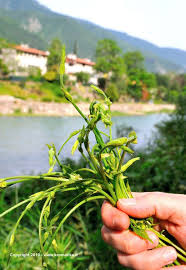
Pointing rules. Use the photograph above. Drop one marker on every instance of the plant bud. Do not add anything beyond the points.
(117, 142)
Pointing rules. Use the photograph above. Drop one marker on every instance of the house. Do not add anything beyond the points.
(31, 57)
(21, 57)
(75, 64)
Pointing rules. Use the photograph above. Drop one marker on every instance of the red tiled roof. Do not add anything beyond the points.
(80, 61)
(85, 62)
(31, 50)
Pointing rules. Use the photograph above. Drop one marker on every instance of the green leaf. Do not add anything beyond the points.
(128, 189)
(133, 134)
(71, 135)
(12, 238)
(98, 90)
(128, 164)
(46, 234)
(51, 154)
(3, 184)
(142, 233)
(127, 149)
(75, 146)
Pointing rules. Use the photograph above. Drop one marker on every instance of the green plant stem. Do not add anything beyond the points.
(59, 163)
(163, 244)
(71, 211)
(112, 201)
(164, 238)
(40, 228)
(88, 161)
(105, 179)
(14, 207)
(28, 177)
(75, 198)
(95, 130)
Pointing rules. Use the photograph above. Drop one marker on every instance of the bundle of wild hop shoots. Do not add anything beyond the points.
(106, 175)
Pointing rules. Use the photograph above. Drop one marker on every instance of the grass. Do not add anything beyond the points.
(81, 236)
(161, 111)
(38, 91)
(118, 113)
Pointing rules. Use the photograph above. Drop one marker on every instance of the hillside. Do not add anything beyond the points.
(29, 22)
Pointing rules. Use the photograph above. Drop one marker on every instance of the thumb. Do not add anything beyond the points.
(163, 206)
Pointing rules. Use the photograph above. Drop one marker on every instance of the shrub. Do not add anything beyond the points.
(46, 99)
(162, 163)
(112, 92)
(102, 83)
(34, 74)
(50, 76)
(83, 77)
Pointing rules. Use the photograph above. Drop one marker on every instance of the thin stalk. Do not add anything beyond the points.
(88, 161)
(86, 170)
(105, 180)
(40, 228)
(122, 158)
(14, 207)
(75, 198)
(95, 130)
(92, 158)
(40, 177)
(113, 202)
(101, 132)
(71, 211)
(164, 238)
(123, 187)
(163, 244)
(110, 132)
(59, 163)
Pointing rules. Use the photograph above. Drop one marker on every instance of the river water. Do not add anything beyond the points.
(23, 140)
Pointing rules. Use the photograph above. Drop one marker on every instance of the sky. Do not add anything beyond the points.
(161, 22)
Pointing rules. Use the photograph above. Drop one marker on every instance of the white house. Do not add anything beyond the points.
(21, 57)
(30, 57)
(74, 64)
(24, 57)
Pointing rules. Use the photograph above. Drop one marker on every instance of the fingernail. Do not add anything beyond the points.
(170, 255)
(153, 238)
(127, 202)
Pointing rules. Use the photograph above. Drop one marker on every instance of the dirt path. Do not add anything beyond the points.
(10, 105)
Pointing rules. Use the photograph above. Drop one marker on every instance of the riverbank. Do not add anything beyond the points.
(14, 106)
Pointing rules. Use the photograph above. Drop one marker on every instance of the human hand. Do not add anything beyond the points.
(169, 210)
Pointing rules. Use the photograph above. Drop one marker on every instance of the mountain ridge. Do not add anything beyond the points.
(35, 24)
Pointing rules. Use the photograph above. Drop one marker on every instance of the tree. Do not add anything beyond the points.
(4, 71)
(4, 43)
(112, 92)
(83, 77)
(109, 57)
(75, 49)
(134, 61)
(54, 57)
(140, 80)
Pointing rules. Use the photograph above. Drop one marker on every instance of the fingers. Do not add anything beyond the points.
(127, 241)
(163, 206)
(181, 267)
(179, 232)
(149, 260)
(114, 218)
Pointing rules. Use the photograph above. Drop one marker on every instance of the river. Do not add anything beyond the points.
(23, 140)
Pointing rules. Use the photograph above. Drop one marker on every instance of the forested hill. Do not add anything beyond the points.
(26, 21)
